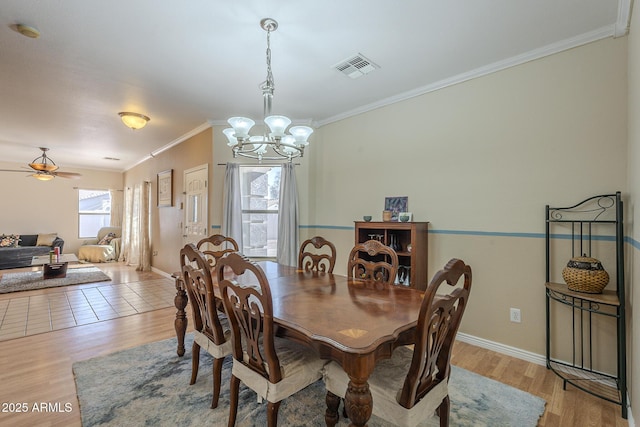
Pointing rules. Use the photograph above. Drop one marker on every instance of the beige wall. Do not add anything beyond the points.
(633, 214)
(483, 159)
(166, 230)
(31, 206)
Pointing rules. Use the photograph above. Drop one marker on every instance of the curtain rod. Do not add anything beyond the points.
(96, 189)
(259, 164)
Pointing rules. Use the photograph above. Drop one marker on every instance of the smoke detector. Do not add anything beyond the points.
(356, 66)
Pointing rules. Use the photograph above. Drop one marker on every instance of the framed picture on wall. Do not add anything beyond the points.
(396, 205)
(165, 188)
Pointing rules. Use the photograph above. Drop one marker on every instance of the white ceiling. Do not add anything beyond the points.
(187, 64)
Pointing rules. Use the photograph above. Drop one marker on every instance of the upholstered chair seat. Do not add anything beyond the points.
(385, 385)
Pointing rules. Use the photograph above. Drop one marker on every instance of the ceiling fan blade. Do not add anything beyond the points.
(71, 175)
(14, 170)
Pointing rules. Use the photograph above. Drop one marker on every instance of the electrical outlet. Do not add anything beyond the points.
(515, 315)
(155, 253)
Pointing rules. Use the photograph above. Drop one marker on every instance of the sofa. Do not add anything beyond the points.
(17, 250)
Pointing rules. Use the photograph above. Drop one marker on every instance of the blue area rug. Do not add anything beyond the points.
(149, 386)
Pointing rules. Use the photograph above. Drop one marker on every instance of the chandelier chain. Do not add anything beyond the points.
(269, 84)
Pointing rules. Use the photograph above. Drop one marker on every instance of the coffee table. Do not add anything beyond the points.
(54, 270)
(44, 259)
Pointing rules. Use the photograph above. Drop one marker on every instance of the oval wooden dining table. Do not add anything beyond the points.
(351, 322)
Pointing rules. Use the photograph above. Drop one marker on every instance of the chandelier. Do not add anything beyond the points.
(282, 145)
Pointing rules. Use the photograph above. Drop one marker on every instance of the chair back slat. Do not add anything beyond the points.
(317, 261)
(247, 301)
(382, 270)
(196, 273)
(216, 246)
(438, 323)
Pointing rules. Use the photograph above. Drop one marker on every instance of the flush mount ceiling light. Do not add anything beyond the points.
(283, 146)
(28, 31)
(133, 120)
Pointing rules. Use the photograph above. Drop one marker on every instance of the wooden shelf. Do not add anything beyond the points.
(406, 233)
(607, 297)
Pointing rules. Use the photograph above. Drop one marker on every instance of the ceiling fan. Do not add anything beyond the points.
(45, 169)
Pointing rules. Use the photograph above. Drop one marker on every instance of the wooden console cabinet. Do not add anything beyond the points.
(407, 235)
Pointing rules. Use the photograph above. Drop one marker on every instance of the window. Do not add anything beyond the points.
(94, 212)
(260, 191)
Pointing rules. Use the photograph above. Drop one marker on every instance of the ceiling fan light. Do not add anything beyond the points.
(133, 120)
(43, 176)
(45, 167)
(43, 163)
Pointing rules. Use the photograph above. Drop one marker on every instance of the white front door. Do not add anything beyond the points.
(196, 212)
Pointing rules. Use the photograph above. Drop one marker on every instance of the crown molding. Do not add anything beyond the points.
(173, 143)
(551, 49)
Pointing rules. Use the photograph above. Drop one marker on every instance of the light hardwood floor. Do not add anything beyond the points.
(36, 369)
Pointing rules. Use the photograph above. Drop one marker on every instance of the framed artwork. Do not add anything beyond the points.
(165, 188)
(396, 205)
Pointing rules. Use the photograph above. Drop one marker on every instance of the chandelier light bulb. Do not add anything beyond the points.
(277, 124)
(241, 126)
(301, 134)
(229, 132)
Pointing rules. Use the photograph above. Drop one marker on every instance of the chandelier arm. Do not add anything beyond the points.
(260, 158)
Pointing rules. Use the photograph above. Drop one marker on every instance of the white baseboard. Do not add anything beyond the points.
(538, 359)
(160, 272)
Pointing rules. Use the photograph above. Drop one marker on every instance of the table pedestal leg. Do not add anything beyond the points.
(358, 403)
(180, 301)
(331, 414)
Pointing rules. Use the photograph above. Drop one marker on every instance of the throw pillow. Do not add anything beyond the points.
(11, 240)
(46, 239)
(106, 240)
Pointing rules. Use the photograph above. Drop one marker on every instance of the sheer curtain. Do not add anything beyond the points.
(232, 205)
(136, 248)
(116, 208)
(288, 218)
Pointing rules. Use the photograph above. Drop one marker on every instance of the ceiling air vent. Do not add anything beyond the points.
(356, 66)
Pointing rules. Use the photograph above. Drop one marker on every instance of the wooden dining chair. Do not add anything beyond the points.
(210, 332)
(412, 385)
(275, 368)
(322, 259)
(216, 246)
(381, 266)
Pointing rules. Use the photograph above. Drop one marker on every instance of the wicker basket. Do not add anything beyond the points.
(585, 274)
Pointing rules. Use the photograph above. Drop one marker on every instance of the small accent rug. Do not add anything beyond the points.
(30, 280)
(149, 386)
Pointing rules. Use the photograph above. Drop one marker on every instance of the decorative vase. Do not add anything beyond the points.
(585, 274)
(386, 215)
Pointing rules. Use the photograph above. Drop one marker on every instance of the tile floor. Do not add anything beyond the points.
(74, 306)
